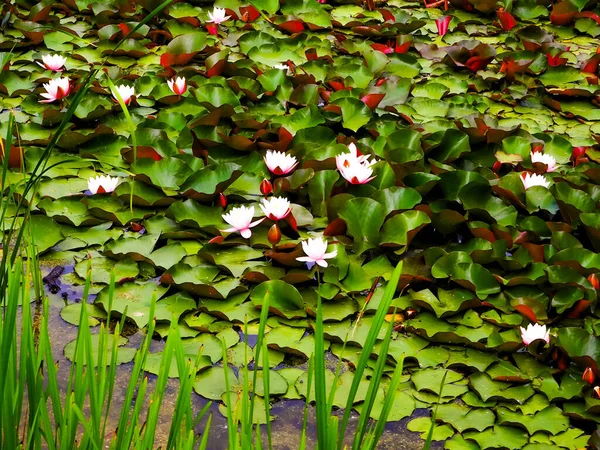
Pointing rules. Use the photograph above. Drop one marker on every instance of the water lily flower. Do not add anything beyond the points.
(178, 86)
(103, 184)
(358, 173)
(53, 62)
(56, 89)
(530, 180)
(125, 92)
(240, 219)
(533, 332)
(507, 20)
(276, 208)
(354, 168)
(218, 16)
(442, 24)
(280, 163)
(545, 159)
(316, 252)
(344, 160)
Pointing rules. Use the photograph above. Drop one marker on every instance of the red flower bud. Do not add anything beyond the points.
(274, 235)
(266, 187)
(578, 152)
(597, 391)
(593, 278)
(212, 29)
(496, 167)
(588, 375)
(222, 200)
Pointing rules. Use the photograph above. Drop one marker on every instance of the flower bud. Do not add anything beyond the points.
(496, 167)
(212, 29)
(597, 391)
(593, 278)
(578, 152)
(266, 187)
(222, 200)
(274, 234)
(588, 376)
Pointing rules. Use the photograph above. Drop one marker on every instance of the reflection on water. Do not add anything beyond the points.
(286, 428)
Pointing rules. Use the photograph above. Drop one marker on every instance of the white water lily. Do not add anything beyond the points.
(275, 208)
(178, 86)
(218, 16)
(354, 168)
(280, 163)
(316, 252)
(533, 332)
(240, 219)
(530, 180)
(56, 89)
(103, 184)
(53, 62)
(283, 67)
(545, 159)
(125, 92)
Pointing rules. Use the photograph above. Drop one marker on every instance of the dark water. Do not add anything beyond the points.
(286, 428)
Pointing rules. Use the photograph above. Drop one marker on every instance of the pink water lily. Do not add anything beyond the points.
(125, 92)
(533, 332)
(240, 219)
(178, 86)
(545, 159)
(56, 89)
(442, 24)
(316, 252)
(103, 184)
(218, 16)
(276, 208)
(530, 180)
(280, 163)
(53, 62)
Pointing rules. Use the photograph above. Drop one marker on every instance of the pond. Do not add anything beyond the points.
(398, 199)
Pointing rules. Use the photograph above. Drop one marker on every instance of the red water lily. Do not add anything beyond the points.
(442, 24)
(507, 20)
